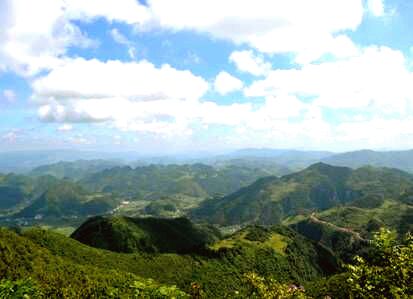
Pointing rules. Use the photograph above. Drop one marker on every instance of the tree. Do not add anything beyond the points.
(387, 273)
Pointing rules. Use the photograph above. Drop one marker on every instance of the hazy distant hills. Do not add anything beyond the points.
(394, 159)
(292, 159)
(318, 187)
(157, 181)
(67, 199)
(74, 170)
(25, 161)
(296, 160)
(283, 159)
(16, 190)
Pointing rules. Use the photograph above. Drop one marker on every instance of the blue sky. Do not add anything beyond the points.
(173, 76)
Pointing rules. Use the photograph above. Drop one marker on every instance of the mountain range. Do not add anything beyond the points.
(293, 160)
(319, 187)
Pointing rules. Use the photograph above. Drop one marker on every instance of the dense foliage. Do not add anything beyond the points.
(387, 272)
(125, 234)
(29, 269)
(283, 255)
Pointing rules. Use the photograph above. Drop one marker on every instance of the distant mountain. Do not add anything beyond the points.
(291, 159)
(67, 199)
(270, 153)
(158, 181)
(17, 190)
(25, 161)
(125, 234)
(74, 170)
(394, 159)
(319, 187)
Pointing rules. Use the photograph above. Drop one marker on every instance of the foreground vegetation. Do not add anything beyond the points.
(41, 264)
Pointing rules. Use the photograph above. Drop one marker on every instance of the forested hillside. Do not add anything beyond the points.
(318, 187)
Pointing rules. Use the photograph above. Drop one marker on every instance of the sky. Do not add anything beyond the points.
(176, 76)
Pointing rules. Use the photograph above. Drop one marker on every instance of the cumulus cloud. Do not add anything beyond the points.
(35, 35)
(246, 61)
(131, 96)
(137, 81)
(307, 28)
(376, 78)
(226, 83)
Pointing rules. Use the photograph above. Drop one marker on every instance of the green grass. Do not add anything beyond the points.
(277, 242)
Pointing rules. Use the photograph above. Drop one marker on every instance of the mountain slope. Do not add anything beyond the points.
(67, 199)
(319, 187)
(49, 275)
(18, 190)
(157, 181)
(125, 234)
(344, 242)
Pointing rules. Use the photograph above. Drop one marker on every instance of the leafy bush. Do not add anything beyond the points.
(388, 273)
(22, 288)
(268, 288)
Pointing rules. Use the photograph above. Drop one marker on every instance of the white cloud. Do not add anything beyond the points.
(226, 83)
(294, 26)
(377, 78)
(377, 133)
(118, 37)
(376, 7)
(11, 136)
(9, 95)
(127, 11)
(65, 128)
(35, 35)
(133, 96)
(137, 81)
(247, 61)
